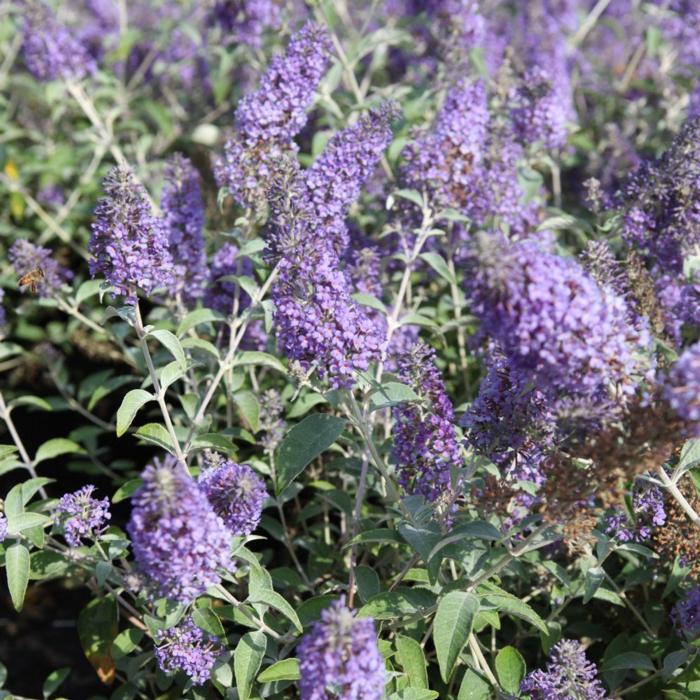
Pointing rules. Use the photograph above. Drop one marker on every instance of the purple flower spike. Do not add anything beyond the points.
(189, 649)
(682, 389)
(179, 542)
(267, 120)
(81, 515)
(425, 441)
(686, 615)
(49, 50)
(129, 245)
(552, 321)
(27, 257)
(3, 528)
(245, 21)
(339, 658)
(236, 493)
(569, 675)
(336, 178)
(183, 209)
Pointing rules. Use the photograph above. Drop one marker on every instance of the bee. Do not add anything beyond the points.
(31, 279)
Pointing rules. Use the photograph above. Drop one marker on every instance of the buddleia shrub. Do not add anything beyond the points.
(350, 350)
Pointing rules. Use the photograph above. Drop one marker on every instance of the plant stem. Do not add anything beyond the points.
(523, 548)
(590, 22)
(671, 486)
(27, 462)
(160, 394)
(238, 329)
(359, 498)
(481, 660)
(361, 425)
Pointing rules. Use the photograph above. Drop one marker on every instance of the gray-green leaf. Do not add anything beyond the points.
(17, 571)
(130, 406)
(303, 443)
(247, 660)
(452, 627)
(510, 669)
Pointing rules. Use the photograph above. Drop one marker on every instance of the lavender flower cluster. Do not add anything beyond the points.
(236, 493)
(189, 649)
(340, 656)
(426, 449)
(181, 529)
(569, 674)
(27, 258)
(179, 542)
(319, 324)
(81, 516)
(267, 120)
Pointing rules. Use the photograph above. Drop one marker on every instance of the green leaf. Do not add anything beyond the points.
(97, 629)
(214, 441)
(275, 600)
(594, 578)
(25, 521)
(126, 490)
(249, 407)
(412, 660)
(194, 318)
(31, 401)
(54, 680)
(690, 454)
(17, 572)
(285, 670)
(303, 443)
(510, 669)
(107, 388)
(509, 604)
(473, 687)
(437, 262)
(156, 434)
(368, 584)
(32, 486)
(170, 341)
(452, 627)
(222, 671)
(203, 345)
(253, 357)
(208, 620)
(247, 659)
(126, 642)
(628, 660)
(391, 394)
(411, 195)
(381, 534)
(370, 301)
(130, 406)
(170, 374)
(14, 503)
(56, 447)
(397, 603)
(414, 694)
(304, 404)
(7, 450)
(86, 290)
